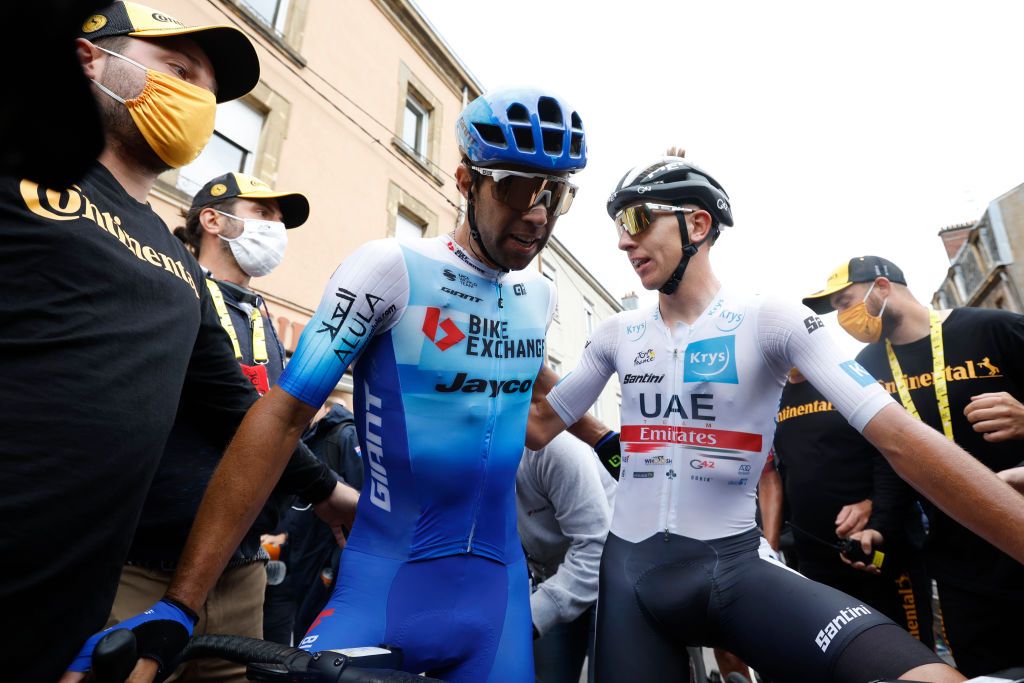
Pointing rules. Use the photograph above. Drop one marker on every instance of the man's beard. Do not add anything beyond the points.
(891, 320)
(122, 135)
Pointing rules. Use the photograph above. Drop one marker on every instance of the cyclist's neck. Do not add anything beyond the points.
(462, 237)
(696, 291)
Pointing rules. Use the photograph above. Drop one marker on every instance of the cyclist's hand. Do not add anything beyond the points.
(338, 510)
(869, 539)
(998, 415)
(853, 518)
(161, 632)
(609, 452)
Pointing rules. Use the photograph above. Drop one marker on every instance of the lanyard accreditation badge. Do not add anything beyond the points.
(257, 373)
(938, 376)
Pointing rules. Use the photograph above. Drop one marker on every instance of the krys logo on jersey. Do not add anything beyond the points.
(483, 337)
(711, 360)
(725, 320)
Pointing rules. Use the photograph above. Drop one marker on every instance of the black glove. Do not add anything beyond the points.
(609, 453)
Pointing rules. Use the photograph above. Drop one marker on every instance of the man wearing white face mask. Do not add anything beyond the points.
(960, 371)
(236, 228)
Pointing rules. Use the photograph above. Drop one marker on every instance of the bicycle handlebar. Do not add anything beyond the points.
(241, 650)
(115, 656)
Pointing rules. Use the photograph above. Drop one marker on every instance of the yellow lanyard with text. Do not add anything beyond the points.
(938, 376)
(259, 338)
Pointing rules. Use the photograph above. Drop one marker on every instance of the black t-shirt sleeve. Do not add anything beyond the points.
(215, 393)
(891, 498)
(306, 477)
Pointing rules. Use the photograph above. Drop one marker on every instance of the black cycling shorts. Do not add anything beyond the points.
(667, 592)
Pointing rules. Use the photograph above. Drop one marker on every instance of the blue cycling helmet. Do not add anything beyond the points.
(522, 127)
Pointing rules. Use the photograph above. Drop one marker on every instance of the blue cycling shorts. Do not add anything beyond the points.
(462, 618)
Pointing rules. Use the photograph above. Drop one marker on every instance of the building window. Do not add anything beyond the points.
(588, 314)
(409, 218)
(408, 227)
(416, 125)
(555, 365)
(548, 270)
(232, 146)
(987, 243)
(273, 13)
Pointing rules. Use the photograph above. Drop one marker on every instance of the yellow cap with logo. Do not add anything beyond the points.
(294, 205)
(858, 269)
(235, 64)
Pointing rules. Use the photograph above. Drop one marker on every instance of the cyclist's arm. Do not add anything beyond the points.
(544, 423)
(555, 407)
(947, 475)
(587, 429)
(943, 472)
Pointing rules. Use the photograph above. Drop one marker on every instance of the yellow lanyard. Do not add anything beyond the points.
(259, 338)
(938, 376)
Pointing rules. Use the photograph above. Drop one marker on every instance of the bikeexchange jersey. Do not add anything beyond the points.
(699, 405)
(445, 353)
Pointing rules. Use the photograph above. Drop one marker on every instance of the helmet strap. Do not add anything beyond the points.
(474, 232)
(690, 250)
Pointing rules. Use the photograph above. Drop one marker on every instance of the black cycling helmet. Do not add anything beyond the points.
(674, 181)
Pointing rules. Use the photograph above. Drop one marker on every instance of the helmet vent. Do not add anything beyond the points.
(491, 134)
(576, 145)
(549, 112)
(553, 141)
(517, 113)
(524, 138)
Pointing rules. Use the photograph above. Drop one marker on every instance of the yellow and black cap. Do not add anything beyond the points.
(234, 60)
(858, 269)
(294, 206)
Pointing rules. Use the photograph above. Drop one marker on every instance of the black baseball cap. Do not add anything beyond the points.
(858, 269)
(294, 206)
(234, 60)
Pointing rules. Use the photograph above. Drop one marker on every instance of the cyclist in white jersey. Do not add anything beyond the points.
(701, 375)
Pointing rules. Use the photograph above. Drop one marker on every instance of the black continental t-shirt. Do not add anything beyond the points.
(104, 324)
(984, 353)
(826, 464)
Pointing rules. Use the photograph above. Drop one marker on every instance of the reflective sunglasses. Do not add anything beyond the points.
(637, 218)
(523, 191)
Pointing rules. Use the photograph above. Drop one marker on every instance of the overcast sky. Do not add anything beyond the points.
(838, 129)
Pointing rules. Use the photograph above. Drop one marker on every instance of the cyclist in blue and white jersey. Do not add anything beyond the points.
(446, 339)
(701, 375)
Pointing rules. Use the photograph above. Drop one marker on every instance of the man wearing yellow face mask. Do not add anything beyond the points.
(960, 371)
(106, 324)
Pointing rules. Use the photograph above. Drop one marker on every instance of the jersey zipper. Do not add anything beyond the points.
(488, 435)
(677, 374)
